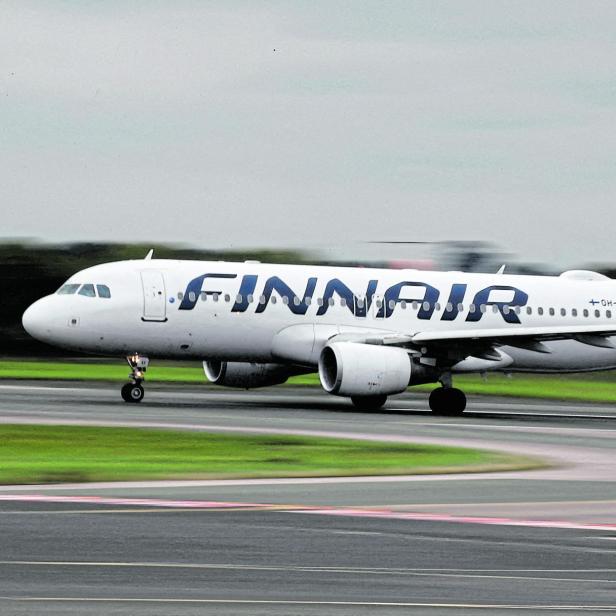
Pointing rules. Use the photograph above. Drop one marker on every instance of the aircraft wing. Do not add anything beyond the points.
(594, 335)
(448, 347)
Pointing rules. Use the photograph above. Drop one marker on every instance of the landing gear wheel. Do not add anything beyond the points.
(132, 392)
(368, 403)
(447, 401)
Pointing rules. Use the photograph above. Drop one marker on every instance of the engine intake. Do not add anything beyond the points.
(353, 369)
(246, 375)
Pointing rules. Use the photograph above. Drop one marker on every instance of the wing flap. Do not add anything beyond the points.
(582, 333)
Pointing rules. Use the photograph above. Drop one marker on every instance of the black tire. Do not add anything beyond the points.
(449, 401)
(436, 400)
(132, 392)
(369, 403)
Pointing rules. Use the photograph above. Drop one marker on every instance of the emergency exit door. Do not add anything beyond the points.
(154, 296)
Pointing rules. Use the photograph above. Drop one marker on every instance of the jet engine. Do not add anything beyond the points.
(246, 375)
(354, 369)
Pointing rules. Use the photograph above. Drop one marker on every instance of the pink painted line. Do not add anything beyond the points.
(335, 511)
(442, 517)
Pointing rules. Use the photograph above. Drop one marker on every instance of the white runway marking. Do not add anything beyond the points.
(289, 602)
(448, 573)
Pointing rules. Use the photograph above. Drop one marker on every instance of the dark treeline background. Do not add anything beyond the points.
(28, 271)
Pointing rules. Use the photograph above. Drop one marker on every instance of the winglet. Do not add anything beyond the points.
(148, 257)
(501, 269)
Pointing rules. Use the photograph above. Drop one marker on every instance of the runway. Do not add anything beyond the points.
(507, 542)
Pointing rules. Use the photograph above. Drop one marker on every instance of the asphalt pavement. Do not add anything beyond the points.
(523, 542)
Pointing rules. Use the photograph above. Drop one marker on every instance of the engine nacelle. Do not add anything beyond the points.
(353, 369)
(246, 375)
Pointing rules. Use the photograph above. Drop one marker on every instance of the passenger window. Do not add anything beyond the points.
(227, 297)
(238, 299)
(87, 290)
(68, 289)
(449, 307)
(319, 301)
(471, 308)
(437, 307)
(460, 307)
(585, 313)
(506, 309)
(415, 305)
(103, 291)
(180, 295)
(215, 297)
(203, 296)
(495, 309)
(426, 306)
(262, 299)
(552, 312)
(574, 312)
(517, 310)
(540, 311)
(597, 313)
(296, 300)
(483, 308)
(285, 300)
(343, 302)
(392, 304)
(192, 297)
(403, 305)
(250, 299)
(608, 314)
(308, 301)
(529, 310)
(563, 312)
(273, 299)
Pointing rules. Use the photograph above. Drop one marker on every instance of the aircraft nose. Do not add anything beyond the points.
(36, 320)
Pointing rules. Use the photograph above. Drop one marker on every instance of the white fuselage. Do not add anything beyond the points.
(286, 313)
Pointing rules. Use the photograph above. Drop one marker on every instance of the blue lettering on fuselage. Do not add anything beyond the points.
(482, 298)
(427, 301)
(194, 287)
(424, 295)
(358, 306)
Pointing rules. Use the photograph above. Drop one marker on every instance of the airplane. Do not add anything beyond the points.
(369, 333)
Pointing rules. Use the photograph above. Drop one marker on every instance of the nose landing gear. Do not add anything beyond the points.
(133, 391)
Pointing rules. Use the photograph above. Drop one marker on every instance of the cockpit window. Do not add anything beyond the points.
(87, 290)
(103, 290)
(68, 289)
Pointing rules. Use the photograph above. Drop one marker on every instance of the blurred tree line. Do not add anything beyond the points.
(29, 271)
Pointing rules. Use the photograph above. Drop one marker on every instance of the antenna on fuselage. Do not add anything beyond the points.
(148, 257)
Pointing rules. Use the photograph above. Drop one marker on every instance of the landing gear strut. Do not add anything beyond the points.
(447, 400)
(133, 391)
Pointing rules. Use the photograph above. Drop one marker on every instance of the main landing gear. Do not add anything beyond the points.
(447, 400)
(133, 391)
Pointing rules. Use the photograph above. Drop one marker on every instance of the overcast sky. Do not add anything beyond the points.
(287, 123)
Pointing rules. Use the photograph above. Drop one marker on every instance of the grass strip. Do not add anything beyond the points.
(596, 387)
(53, 454)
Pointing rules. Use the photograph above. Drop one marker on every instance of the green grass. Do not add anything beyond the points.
(103, 371)
(596, 387)
(52, 454)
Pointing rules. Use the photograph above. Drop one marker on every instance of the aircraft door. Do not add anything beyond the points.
(154, 296)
